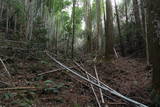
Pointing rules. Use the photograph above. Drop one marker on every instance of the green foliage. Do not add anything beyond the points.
(25, 99)
(18, 8)
(38, 78)
(39, 32)
(52, 88)
(76, 105)
(7, 96)
(24, 102)
(48, 82)
(56, 5)
(17, 5)
(33, 68)
(93, 11)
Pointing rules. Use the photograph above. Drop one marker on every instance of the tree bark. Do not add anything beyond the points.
(88, 22)
(126, 12)
(15, 23)
(144, 27)
(7, 23)
(109, 30)
(99, 25)
(1, 12)
(73, 25)
(153, 8)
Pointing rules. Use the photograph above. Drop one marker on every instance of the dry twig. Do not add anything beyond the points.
(6, 70)
(52, 71)
(19, 88)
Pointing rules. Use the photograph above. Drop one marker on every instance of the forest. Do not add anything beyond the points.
(79, 53)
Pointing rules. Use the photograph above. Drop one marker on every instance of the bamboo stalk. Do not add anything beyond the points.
(98, 102)
(5, 68)
(52, 71)
(90, 76)
(115, 53)
(100, 90)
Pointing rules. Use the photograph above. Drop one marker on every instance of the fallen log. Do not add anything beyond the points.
(102, 86)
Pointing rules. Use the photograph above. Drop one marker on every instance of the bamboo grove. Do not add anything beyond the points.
(72, 27)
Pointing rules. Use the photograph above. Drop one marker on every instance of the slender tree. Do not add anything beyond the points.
(139, 35)
(126, 11)
(88, 23)
(119, 30)
(99, 25)
(126, 15)
(109, 30)
(7, 23)
(73, 26)
(154, 46)
(144, 26)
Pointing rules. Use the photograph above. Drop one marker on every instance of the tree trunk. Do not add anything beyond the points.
(109, 30)
(73, 24)
(119, 30)
(15, 23)
(139, 36)
(143, 16)
(7, 23)
(146, 40)
(88, 22)
(2, 8)
(104, 24)
(126, 15)
(126, 12)
(153, 8)
(99, 25)
(56, 37)
(144, 27)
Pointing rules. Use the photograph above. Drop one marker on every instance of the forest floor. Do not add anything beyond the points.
(128, 76)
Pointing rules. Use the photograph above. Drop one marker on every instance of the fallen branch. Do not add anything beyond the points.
(100, 90)
(5, 83)
(21, 49)
(90, 76)
(99, 105)
(82, 82)
(104, 87)
(115, 52)
(52, 71)
(5, 68)
(111, 103)
(19, 88)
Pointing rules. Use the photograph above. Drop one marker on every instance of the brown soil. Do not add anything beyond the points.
(127, 76)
